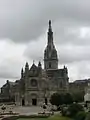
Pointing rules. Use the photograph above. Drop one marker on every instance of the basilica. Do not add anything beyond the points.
(37, 84)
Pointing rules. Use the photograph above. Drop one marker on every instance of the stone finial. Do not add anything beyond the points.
(27, 65)
(22, 73)
(39, 64)
(64, 67)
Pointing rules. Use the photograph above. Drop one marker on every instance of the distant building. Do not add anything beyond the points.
(36, 85)
(77, 88)
(8, 91)
(87, 94)
(79, 85)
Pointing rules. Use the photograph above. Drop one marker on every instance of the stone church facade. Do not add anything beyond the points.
(37, 84)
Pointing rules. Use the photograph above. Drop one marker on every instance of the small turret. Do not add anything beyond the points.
(39, 64)
(65, 69)
(26, 69)
(22, 73)
(26, 66)
(40, 68)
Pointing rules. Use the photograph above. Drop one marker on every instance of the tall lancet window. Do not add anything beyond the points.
(49, 64)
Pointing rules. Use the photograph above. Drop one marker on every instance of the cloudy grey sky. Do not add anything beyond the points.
(23, 35)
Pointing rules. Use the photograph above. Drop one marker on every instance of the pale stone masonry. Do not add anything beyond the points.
(36, 84)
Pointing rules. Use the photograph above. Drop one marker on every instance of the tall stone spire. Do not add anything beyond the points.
(50, 53)
(50, 28)
(50, 34)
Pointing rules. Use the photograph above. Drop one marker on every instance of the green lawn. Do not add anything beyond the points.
(55, 117)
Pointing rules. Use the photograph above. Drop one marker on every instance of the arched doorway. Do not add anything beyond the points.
(23, 102)
(34, 101)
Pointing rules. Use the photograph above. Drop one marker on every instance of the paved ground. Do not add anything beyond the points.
(28, 110)
(23, 110)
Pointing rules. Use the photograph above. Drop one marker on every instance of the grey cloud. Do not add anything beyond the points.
(10, 69)
(71, 33)
(79, 70)
(70, 53)
(24, 20)
(67, 53)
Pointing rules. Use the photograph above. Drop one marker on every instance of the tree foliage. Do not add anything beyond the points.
(78, 97)
(56, 99)
(68, 99)
(59, 99)
(73, 109)
(88, 116)
(80, 116)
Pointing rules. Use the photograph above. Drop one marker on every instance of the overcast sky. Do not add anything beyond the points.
(23, 35)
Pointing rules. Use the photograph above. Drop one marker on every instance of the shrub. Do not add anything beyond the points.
(88, 116)
(80, 116)
(3, 108)
(73, 109)
(64, 111)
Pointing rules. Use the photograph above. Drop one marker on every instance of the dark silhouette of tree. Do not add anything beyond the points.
(78, 97)
(56, 99)
(59, 99)
(67, 98)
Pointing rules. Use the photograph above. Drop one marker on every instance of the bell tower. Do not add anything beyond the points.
(50, 53)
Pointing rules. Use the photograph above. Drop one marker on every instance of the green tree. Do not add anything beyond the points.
(56, 99)
(78, 97)
(60, 99)
(67, 98)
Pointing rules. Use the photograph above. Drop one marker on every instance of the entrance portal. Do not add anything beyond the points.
(46, 101)
(34, 102)
(23, 102)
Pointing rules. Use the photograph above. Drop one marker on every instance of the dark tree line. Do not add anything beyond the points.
(60, 99)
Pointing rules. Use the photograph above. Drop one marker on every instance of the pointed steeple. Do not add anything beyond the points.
(50, 53)
(50, 28)
(50, 34)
